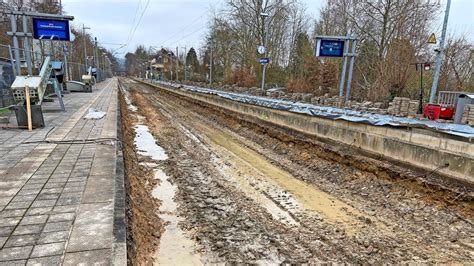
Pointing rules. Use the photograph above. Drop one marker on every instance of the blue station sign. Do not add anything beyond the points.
(330, 48)
(55, 29)
(264, 60)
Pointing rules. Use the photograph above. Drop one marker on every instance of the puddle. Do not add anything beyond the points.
(130, 106)
(146, 144)
(175, 247)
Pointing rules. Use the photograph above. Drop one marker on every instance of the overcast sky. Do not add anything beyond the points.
(182, 23)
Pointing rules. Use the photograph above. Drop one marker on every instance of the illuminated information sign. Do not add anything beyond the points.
(54, 29)
(330, 48)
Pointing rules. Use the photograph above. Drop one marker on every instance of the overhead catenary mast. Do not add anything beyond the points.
(439, 56)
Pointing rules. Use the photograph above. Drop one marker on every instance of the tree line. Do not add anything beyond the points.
(392, 35)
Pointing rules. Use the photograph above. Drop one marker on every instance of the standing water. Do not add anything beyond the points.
(175, 247)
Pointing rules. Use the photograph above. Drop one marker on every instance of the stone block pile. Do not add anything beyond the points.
(468, 115)
(403, 107)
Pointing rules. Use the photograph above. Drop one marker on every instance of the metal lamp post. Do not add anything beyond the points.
(84, 28)
(185, 63)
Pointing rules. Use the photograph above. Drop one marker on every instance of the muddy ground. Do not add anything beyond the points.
(143, 223)
(254, 193)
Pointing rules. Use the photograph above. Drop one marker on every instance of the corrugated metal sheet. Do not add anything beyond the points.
(332, 112)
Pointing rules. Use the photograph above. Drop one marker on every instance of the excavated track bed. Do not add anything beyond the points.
(250, 192)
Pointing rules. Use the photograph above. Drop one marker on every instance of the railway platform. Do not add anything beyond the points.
(60, 199)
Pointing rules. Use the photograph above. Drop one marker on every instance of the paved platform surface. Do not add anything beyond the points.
(56, 199)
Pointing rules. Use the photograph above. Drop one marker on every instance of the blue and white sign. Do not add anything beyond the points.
(264, 60)
(330, 48)
(55, 29)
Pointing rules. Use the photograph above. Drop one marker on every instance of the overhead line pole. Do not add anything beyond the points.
(439, 56)
(185, 65)
(210, 64)
(84, 28)
(177, 63)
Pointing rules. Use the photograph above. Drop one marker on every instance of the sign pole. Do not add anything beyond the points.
(16, 47)
(12, 61)
(343, 74)
(27, 45)
(351, 68)
(338, 46)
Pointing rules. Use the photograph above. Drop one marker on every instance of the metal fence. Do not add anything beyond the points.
(449, 97)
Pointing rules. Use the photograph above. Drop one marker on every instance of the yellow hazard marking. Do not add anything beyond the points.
(432, 38)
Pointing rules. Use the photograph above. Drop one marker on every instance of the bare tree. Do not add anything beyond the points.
(458, 67)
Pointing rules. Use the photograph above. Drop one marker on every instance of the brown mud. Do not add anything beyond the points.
(143, 225)
(255, 193)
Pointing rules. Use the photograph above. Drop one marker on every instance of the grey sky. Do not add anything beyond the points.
(182, 23)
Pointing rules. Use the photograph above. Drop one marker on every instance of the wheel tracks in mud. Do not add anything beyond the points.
(308, 222)
(287, 242)
(188, 115)
(300, 217)
(207, 192)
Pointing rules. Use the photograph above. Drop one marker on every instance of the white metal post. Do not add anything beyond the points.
(351, 68)
(26, 45)
(344, 67)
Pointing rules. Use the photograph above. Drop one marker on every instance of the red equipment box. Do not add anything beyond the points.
(447, 112)
(432, 111)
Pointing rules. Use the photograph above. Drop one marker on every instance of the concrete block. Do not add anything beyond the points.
(15, 253)
(48, 249)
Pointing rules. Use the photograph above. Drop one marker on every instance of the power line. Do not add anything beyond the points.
(133, 22)
(139, 21)
(192, 33)
(185, 27)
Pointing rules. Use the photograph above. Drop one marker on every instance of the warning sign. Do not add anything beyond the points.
(432, 38)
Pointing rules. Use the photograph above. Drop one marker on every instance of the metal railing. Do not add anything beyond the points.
(449, 97)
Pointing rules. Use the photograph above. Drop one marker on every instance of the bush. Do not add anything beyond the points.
(298, 85)
(243, 78)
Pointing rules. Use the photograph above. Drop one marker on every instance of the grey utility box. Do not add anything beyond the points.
(36, 116)
(463, 100)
